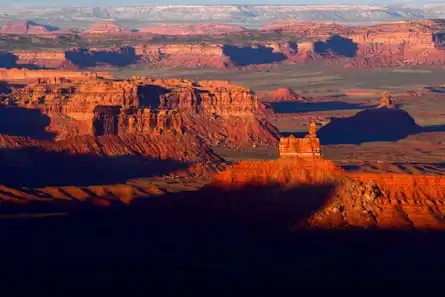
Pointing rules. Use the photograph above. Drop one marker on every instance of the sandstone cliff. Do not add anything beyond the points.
(24, 28)
(341, 200)
(53, 59)
(48, 75)
(284, 94)
(217, 112)
(107, 28)
(183, 55)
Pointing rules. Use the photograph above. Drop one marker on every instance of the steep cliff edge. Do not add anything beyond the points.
(330, 198)
(216, 111)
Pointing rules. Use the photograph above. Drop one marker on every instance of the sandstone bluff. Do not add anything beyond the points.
(382, 45)
(215, 111)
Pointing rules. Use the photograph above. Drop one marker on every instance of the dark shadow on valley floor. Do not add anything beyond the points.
(33, 167)
(371, 125)
(212, 239)
(302, 107)
(27, 122)
(337, 45)
(85, 58)
(9, 60)
(243, 56)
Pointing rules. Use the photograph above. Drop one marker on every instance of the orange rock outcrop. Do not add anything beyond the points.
(282, 172)
(386, 101)
(309, 146)
(24, 28)
(53, 59)
(344, 200)
(382, 45)
(48, 75)
(215, 111)
(183, 55)
(107, 28)
(285, 94)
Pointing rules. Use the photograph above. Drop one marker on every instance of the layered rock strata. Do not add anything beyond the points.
(54, 60)
(48, 76)
(216, 111)
(309, 146)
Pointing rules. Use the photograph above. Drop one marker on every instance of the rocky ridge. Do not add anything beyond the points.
(216, 111)
(339, 199)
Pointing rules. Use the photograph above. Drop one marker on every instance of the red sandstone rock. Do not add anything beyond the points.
(216, 111)
(107, 28)
(48, 75)
(345, 200)
(307, 147)
(386, 101)
(285, 94)
(51, 60)
(24, 28)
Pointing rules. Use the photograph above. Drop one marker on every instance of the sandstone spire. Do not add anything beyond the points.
(309, 146)
(312, 130)
(386, 101)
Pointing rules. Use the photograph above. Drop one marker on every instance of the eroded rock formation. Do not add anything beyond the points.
(52, 60)
(216, 111)
(382, 45)
(48, 76)
(284, 94)
(24, 28)
(107, 28)
(339, 199)
(386, 101)
(309, 146)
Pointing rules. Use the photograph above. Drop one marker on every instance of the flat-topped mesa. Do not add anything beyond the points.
(183, 55)
(107, 28)
(24, 28)
(28, 75)
(309, 146)
(47, 59)
(386, 101)
(285, 94)
(215, 111)
(207, 97)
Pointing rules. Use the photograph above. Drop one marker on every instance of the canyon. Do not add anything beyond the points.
(219, 46)
(111, 154)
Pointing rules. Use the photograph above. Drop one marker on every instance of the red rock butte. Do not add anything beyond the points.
(286, 94)
(24, 28)
(387, 101)
(215, 111)
(307, 147)
(49, 75)
(107, 28)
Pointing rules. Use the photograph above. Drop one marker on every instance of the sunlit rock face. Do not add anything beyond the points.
(293, 147)
(216, 111)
